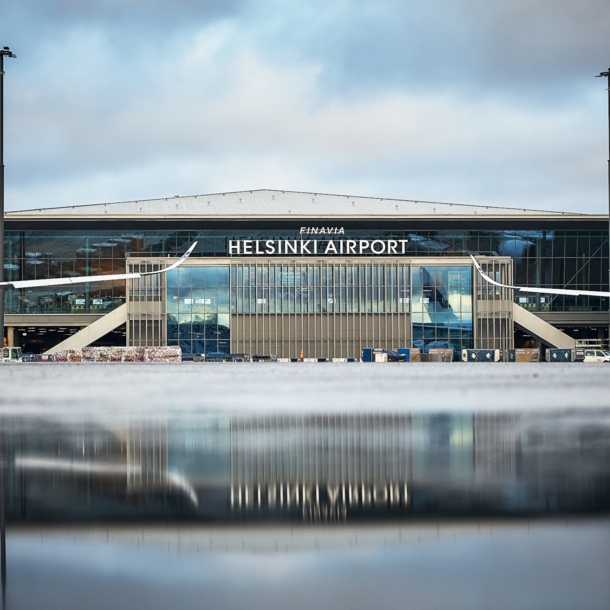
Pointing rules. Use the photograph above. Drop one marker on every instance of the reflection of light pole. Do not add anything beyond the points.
(3, 52)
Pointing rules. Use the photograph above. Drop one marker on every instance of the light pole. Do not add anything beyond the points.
(607, 75)
(5, 52)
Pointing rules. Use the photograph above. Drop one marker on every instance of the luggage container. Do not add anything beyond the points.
(527, 354)
(432, 358)
(480, 355)
(367, 354)
(237, 358)
(406, 351)
(560, 355)
(380, 356)
(40, 358)
(443, 354)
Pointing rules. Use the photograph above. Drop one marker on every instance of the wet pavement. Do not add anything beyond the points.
(334, 485)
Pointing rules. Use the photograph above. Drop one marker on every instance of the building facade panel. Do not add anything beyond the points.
(347, 270)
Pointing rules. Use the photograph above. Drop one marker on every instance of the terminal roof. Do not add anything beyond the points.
(279, 204)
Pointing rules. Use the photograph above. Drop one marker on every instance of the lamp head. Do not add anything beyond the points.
(604, 74)
(6, 52)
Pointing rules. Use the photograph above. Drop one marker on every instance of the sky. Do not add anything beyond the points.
(463, 101)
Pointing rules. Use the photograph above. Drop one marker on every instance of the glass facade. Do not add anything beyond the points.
(545, 258)
(442, 308)
(320, 288)
(198, 309)
(200, 299)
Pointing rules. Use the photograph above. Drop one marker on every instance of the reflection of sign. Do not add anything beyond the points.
(313, 247)
(321, 501)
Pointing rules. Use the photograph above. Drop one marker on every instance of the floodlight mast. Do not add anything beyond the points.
(607, 75)
(5, 52)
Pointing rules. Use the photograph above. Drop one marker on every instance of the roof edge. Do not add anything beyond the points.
(470, 205)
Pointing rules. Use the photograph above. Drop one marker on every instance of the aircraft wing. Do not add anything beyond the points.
(594, 293)
(62, 281)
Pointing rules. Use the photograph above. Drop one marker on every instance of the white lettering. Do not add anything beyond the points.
(378, 241)
(329, 245)
(304, 248)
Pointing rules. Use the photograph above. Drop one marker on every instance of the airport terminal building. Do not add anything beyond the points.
(279, 272)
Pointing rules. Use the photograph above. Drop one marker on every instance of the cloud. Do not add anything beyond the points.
(457, 100)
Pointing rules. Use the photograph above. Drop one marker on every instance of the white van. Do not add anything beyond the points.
(11, 354)
(596, 355)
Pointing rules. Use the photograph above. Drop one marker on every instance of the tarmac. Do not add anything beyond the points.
(119, 390)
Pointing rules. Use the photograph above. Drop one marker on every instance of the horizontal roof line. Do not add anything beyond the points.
(333, 217)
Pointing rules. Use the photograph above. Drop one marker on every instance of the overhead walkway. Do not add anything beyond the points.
(540, 329)
(94, 331)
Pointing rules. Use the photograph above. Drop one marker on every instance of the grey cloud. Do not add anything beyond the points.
(540, 45)
(304, 95)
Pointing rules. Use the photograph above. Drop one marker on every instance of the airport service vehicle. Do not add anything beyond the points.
(12, 354)
(596, 355)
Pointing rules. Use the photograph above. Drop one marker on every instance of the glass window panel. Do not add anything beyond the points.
(223, 276)
(211, 276)
(223, 300)
(197, 277)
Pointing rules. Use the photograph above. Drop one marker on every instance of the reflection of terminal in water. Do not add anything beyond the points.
(322, 468)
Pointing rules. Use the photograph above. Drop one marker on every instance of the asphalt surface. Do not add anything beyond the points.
(115, 390)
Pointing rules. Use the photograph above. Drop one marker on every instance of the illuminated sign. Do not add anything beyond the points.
(315, 247)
